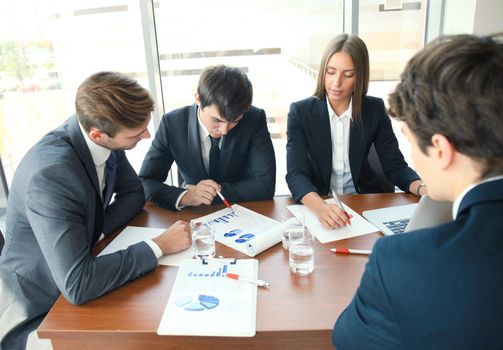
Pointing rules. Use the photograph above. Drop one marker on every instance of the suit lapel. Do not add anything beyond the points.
(194, 142)
(357, 142)
(226, 150)
(79, 145)
(320, 124)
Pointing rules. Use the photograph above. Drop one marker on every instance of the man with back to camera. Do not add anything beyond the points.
(59, 205)
(220, 143)
(442, 287)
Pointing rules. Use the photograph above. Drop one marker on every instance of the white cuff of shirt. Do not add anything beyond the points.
(155, 248)
(177, 204)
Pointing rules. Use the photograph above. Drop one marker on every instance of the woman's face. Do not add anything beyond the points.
(339, 78)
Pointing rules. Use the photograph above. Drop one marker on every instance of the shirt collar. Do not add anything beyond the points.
(347, 113)
(203, 131)
(99, 153)
(457, 202)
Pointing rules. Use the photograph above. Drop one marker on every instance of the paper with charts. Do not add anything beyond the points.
(359, 226)
(133, 234)
(244, 230)
(206, 303)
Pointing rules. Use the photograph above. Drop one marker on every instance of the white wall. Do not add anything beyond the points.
(488, 17)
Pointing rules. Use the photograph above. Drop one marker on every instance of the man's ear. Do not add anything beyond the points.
(442, 150)
(96, 135)
(197, 99)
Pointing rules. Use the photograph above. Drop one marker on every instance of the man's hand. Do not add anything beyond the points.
(174, 239)
(202, 193)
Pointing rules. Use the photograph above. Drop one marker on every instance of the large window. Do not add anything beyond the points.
(48, 47)
(277, 43)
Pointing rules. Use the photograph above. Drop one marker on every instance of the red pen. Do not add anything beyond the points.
(351, 251)
(259, 283)
(226, 202)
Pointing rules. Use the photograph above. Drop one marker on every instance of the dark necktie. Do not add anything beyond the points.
(110, 173)
(214, 159)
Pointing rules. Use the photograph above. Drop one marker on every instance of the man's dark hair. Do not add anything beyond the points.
(454, 87)
(228, 88)
(110, 101)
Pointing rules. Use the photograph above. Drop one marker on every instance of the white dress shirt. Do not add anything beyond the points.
(100, 154)
(341, 180)
(457, 202)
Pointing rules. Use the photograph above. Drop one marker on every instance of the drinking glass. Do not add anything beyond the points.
(203, 240)
(301, 253)
(290, 223)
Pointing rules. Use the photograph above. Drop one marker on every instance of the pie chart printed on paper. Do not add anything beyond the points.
(197, 303)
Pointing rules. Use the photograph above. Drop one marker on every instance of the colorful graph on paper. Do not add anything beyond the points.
(243, 229)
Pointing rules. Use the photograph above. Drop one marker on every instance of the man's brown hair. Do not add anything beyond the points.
(454, 87)
(110, 101)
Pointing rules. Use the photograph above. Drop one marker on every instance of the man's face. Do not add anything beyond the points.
(126, 138)
(217, 125)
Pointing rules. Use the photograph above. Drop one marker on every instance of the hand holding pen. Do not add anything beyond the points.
(335, 216)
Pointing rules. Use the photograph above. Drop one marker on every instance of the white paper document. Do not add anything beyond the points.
(244, 230)
(205, 302)
(133, 234)
(359, 226)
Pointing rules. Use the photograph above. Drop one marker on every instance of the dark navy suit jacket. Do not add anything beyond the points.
(247, 163)
(309, 149)
(437, 288)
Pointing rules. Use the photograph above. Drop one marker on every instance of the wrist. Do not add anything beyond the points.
(421, 186)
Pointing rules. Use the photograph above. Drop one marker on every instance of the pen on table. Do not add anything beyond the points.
(351, 251)
(259, 283)
(339, 204)
(226, 202)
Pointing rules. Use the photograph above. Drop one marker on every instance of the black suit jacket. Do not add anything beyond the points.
(436, 288)
(247, 163)
(309, 149)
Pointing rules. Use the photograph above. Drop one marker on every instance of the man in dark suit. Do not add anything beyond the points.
(221, 143)
(59, 205)
(442, 287)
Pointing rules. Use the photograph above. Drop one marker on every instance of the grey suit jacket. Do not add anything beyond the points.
(55, 216)
(247, 163)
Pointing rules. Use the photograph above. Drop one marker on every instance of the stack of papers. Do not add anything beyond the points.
(359, 226)
(133, 234)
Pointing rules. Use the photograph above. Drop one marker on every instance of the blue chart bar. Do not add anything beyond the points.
(217, 273)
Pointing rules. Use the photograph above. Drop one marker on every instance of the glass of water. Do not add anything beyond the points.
(203, 240)
(301, 253)
(290, 224)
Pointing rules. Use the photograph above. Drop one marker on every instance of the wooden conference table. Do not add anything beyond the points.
(295, 313)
